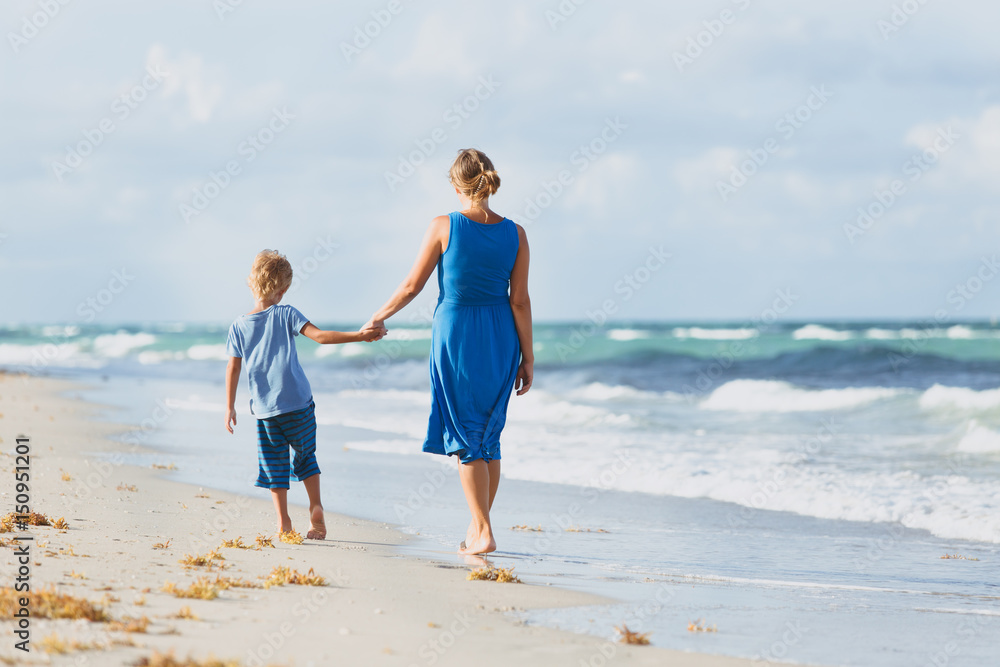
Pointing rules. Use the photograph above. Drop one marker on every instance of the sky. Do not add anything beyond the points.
(680, 161)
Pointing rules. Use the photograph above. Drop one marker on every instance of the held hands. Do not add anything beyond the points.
(372, 334)
(230, 419)
(373, 330)
(525, 374)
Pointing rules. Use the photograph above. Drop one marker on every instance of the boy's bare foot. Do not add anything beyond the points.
(317, 524)
(284, 525)
(482, 545)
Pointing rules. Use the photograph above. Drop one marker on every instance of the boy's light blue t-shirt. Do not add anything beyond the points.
(266, 343)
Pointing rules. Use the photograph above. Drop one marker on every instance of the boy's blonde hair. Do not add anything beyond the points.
(271, 274)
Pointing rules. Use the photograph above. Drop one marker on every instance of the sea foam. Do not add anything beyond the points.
(208, 352)
(38, 355)
(776, 396)
(960, 399)
(119, 344)
(979, 440)
(715, 334)
(818, 332)
(626, 334)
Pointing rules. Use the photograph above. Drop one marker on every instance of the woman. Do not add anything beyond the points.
(481, 337)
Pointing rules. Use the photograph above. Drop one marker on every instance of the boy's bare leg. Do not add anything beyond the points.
(280, 498)
(317, 522)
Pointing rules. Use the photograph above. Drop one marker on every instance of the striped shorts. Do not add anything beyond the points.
(274, 436)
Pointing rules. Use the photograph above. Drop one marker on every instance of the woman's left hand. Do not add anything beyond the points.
(525, 374)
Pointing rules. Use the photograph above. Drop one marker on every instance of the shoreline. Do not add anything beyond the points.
(380, 606)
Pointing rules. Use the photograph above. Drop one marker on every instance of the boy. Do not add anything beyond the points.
(280, 396)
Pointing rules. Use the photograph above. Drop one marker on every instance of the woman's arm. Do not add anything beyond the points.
(435, 242)
(520, 305)
(232, 380)
(310, 330)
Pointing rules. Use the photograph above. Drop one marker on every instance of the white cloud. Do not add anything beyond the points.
(125, 204)
(974, 157)
(686, 132)
(188, 74)
(438, 51)
(612, 179)
(702, 171)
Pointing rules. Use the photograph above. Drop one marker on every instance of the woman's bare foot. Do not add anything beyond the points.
(470, 534)
(480, 545)
(475, 477)
(317, 524)
(477, 561)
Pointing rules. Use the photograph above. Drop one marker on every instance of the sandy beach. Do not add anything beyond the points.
(128, 528)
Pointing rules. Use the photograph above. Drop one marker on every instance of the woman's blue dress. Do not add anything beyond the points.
(474, 345)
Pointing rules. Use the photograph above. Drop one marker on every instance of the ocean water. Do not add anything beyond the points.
(795, 486)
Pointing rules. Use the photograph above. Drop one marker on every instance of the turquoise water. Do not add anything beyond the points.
(794, 485)
(556, 344)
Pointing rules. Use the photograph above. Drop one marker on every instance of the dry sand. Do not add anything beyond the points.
(378, 607)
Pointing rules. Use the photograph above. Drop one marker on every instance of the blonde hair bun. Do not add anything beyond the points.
(473, 174)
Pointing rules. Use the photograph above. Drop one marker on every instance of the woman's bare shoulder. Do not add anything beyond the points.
(440, 226)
